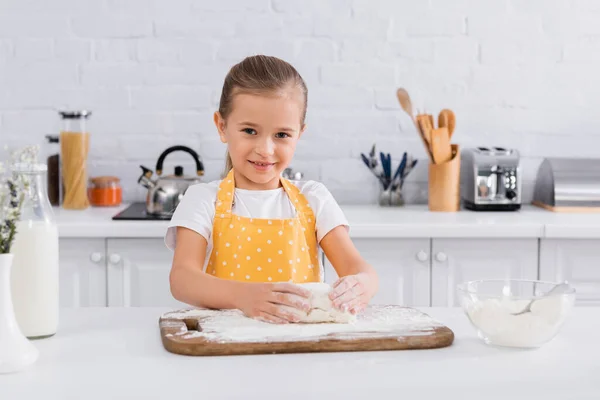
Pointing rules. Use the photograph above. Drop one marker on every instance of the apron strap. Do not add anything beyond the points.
(298, 200)
(225, 196)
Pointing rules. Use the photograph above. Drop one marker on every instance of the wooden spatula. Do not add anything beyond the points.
(447, 119)
(425, 133)
(440, 145)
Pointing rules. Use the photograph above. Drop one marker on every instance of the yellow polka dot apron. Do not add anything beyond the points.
(264, 250)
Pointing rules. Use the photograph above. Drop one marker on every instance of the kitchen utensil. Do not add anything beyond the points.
(447, 119)
(386, 164)
(372, 154)
(409, 167)
(165, 193)
(405, 102)
(423, 133)
(491, 305)
(430, 121)
(561, 288)
(491, 179)
(407, 106)
(201, 332)
(400, 170)
(440, 145)
(369, 165)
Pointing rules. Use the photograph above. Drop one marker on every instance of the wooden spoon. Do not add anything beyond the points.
(447, 119)
(405, 102)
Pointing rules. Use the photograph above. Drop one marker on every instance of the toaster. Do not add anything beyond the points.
(490, 179)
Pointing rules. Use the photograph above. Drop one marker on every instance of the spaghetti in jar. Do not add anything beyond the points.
(74, 148)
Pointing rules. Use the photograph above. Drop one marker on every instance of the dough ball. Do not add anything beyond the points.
(321, 307)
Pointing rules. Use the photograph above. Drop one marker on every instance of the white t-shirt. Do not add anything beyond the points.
(196, 211)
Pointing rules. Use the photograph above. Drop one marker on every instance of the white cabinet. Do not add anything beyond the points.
(82, 273)
(576, 261)
(138, 273)
(458, 260)
(402, 266)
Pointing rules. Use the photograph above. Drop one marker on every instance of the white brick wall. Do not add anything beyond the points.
(518, 73)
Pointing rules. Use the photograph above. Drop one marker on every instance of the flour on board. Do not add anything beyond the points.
(375, 322)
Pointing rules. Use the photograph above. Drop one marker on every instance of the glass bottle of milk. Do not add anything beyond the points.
(34, 280)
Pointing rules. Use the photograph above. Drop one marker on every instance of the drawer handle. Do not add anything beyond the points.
(441, 257)
(114, 258)
(422, 256)
(96, 257)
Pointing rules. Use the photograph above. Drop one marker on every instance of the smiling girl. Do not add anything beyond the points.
(245, 241)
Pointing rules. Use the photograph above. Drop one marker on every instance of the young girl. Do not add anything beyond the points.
(239, 242)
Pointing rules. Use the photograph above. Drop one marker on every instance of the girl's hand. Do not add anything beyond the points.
(352, 292)
(278, 303)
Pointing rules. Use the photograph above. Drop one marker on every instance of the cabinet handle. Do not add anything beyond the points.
(422, 256)
(96, 257)
(441, 257)
(114, 258)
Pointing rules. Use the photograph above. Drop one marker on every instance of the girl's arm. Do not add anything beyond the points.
(358, 281)
(189, 283)
(271, 302)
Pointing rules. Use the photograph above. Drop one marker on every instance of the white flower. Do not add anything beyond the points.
(12, 193)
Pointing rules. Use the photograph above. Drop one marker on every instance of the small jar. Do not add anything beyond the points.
(105, 191)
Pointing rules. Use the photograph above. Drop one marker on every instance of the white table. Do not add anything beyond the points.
(116, 353)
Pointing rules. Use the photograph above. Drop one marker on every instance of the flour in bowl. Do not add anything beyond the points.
(496, 322)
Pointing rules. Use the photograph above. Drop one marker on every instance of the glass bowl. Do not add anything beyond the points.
(491, 305)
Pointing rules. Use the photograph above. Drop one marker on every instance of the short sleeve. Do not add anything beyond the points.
(195, 211)
(327, 211)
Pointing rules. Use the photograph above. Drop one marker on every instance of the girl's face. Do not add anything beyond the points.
(261, 133)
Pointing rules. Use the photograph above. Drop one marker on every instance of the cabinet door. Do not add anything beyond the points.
(458, 260)
(138, 273)
(82, 273)
(575, 261)
(402, 266)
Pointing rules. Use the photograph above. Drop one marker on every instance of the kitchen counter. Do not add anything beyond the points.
(116, 353)
(414, 221)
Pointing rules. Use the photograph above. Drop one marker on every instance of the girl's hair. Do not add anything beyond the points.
(259, 74)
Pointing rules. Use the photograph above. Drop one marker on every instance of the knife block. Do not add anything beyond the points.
(444, 184)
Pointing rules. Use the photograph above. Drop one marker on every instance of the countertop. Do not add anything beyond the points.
(371, 221)
(116, 353)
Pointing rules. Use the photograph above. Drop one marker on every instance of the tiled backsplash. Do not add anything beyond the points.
(519, 74)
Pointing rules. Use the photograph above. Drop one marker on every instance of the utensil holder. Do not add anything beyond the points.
(391, 197)
(444, 184)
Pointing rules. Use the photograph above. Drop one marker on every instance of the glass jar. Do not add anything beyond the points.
(105, 191)
(74, 148)
(54, 184)
(35, 277)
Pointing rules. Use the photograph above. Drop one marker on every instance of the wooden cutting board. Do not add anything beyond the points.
(202, 332)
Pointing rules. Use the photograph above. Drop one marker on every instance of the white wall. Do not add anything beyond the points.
(520, 73)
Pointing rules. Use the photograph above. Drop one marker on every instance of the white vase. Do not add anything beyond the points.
(16, 351)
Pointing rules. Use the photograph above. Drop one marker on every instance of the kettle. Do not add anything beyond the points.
(165, 193)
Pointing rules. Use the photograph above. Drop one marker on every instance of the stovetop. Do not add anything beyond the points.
(137, 212)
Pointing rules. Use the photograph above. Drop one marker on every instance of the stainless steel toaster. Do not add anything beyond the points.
(490, 179)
